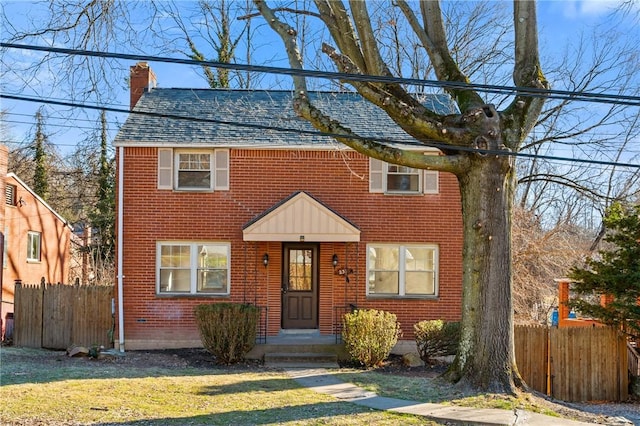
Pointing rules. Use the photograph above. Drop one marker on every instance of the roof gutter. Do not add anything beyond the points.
(120, 245)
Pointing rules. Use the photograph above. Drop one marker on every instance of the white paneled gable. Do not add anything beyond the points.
(301, 218)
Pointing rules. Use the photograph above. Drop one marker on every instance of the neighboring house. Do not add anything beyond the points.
(568, 317)
(290, 221)
(36, 238)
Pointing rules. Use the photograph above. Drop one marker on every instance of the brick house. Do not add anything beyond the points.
(36, 238)
(242, 201)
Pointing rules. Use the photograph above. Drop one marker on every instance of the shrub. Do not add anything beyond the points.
(436, 338)
(369, 335)
(227, 330)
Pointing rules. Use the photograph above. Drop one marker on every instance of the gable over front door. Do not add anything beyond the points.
(300, 286)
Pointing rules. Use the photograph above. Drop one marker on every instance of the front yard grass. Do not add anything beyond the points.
(40, 387)
(84, 391)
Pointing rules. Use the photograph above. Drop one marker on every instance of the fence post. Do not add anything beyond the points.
(43, 290)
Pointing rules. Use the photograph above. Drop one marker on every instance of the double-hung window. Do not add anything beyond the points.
(34, 241)
(409, 270)
(193, 169)
(395, 179)
(193, 268)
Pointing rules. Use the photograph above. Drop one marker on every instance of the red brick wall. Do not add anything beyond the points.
(32, 215)
(258, 180)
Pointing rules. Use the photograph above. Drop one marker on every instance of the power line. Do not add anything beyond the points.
(54, 125)
(117, 125)
(57, 117)
(487, 88)
(316, 133)
(114, 125)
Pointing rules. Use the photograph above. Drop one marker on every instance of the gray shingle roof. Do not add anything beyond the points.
(263, 108)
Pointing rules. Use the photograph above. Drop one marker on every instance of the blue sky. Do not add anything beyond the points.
(558, 22)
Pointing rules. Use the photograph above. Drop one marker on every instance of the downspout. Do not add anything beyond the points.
(120, 233)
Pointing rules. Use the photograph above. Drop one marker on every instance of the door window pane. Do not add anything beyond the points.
(300, 270)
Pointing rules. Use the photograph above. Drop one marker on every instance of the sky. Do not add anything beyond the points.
(557, 21)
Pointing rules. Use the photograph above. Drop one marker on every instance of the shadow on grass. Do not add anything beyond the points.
(317, 413)
(27, 365)
(425, 389)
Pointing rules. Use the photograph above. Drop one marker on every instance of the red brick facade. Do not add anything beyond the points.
(258, 179)
(27, 213)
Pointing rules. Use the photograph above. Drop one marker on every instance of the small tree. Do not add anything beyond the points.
(436, 338)
(369, 335)
(615, 273)
(40, 179)
(227, 330)
(102, 216)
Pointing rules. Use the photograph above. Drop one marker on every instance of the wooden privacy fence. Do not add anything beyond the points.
(575, 363)
(56, 316)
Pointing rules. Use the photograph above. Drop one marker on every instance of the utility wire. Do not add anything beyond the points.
(317, 133)
(115, 125)
(66, 126)
(488, 88)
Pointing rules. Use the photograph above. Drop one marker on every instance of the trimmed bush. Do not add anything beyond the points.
(227, 330)
(436, 338)
(369, 335)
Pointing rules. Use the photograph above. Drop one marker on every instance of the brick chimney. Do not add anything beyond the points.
(141, 78)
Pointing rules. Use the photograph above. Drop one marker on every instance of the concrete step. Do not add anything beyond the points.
(301, 359)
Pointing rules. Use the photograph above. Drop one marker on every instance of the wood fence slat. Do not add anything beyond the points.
(28, 316)
(576, 363)
(56, 316)
(530, 359)
(623, 368)
(586, 364)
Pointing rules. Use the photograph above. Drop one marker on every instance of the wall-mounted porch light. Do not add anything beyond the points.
(265, 260)
(334, 260)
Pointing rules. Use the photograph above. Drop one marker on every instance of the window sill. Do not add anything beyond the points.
(397, 297)
(33, 261)
(411, 193)
(192, 296)
(193, 190)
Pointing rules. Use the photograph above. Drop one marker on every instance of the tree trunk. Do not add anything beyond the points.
(487, 313)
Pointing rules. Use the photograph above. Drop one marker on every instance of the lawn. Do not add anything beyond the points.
(39, 387)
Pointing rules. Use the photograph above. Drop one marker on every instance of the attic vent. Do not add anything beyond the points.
(10, 195)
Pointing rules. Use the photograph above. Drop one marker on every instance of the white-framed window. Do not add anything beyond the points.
(394, 179)
(193, 268)
(34, 241)
(193, 169)
(402, 270)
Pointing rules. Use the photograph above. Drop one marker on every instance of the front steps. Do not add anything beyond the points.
(299, 348)
(301, 360)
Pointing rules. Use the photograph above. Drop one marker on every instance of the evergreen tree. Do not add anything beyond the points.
(40, 179)
(102, 217)
(615, 274)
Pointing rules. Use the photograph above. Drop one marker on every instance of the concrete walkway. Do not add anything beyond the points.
(320, 380)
